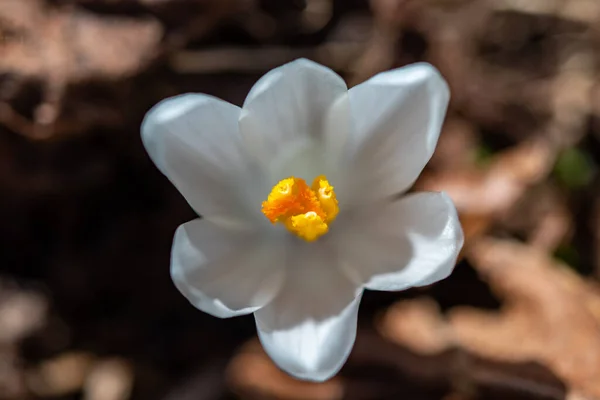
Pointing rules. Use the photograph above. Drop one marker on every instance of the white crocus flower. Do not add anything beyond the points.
(299, 193)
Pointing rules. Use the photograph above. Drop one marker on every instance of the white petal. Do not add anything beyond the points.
(397, 117)
(411, 242)
(194, 140)
(310, 327)
(225, 273)
(288, 108)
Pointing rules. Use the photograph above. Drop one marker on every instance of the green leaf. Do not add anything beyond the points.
(574, 168)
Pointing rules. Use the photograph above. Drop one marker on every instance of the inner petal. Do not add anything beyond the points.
(304, 158)
(304, 210)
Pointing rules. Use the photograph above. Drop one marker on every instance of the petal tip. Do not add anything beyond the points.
(172, 108)
(308, 354)
(421, 73)
(315, 372)
(162, 113)
(434, 78)
(304, 62)
(318, 376)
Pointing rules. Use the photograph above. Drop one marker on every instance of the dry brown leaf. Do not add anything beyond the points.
(550, 316)
(67, 45)
(483, 195)
(542, 217)
(60, 46)
(110, 379)
(495, 189)
(22, 312)
(59, 376)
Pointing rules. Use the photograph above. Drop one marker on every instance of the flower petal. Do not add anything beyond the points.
(289, 108)
(194, 140)
(412, 242)
(310, 327)
(225, 273)
(397, 117)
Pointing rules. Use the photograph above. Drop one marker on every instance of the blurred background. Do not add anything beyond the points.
(87, 307)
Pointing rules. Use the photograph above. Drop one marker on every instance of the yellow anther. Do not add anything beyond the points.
(326, 197)
(305, 211)
(307, 226)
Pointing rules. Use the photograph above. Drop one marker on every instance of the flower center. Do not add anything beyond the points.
(304, 210)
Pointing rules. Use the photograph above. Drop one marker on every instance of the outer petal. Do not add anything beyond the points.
(310, 327)
(222, 272)
(194, 140)
(289, 108)
(397, 117)
(412, 242)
